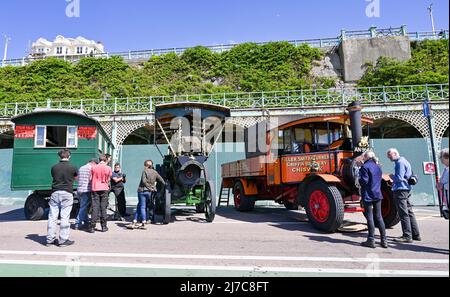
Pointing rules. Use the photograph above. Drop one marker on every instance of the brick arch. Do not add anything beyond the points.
(125, 128)
(244, 122)
(4, 129)
(441, 123)
(413, 118)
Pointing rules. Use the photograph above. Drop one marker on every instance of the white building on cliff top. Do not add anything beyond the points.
(64, 47)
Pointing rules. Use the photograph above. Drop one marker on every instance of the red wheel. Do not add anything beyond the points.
(242, 202)
(319, 205)
(324, 206)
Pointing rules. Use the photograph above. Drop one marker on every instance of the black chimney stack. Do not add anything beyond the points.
(354, 110)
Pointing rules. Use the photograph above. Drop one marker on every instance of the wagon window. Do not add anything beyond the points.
(100, 142)
(55, 137)
(71, 136)
(40, 136)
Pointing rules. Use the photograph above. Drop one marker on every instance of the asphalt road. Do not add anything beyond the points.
(269, 241)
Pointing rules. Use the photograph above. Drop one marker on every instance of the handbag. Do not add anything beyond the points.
(413, 179)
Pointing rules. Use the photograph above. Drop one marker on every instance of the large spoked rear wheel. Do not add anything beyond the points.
(210, 202)
(167, 207)
(242, 202)
(34, 208)
(388, 207)
(324, 206)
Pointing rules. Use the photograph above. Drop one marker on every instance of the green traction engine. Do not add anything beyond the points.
(191, 131)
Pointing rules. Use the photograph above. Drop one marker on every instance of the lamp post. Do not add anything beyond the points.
(430, 10)
(7, 40)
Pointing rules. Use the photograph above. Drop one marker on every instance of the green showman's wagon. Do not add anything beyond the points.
(38, 136)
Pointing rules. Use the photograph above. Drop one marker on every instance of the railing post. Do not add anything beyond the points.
(262, 99)
(49, 103)
(385, 99)
(115, 105)
(343, 96)
(129, 55)
(81, 105)
(403, 30)
(151, 103)
(302, 98)
(373, 31)
(16, 109)
(343, 36)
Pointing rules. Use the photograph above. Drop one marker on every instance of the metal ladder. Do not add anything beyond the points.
(224, 196)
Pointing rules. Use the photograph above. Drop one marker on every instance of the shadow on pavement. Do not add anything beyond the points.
(41, 239)
(12, 216)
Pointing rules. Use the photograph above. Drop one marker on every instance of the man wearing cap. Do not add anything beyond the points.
(84, 194)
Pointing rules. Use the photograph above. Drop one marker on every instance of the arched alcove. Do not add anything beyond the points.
(7, 140)
(388, 128)
(140, 136)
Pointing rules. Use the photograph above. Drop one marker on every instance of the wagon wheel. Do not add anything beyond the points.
(34, 208)
(388, 208)
(324, 206)
(242, 202)
(290, 206)
(167, 204)
(210, 202)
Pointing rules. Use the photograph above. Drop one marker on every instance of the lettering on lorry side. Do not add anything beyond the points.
(303, 164)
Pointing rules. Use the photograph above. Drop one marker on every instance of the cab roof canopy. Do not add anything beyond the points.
(166, 113)
(210, 117)
(342, 119)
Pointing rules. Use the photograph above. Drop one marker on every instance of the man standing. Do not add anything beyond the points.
(402, 192)
(443, 185)
(84, 193)
(101, 175)
(118, 180)
(370, 177)
(61, 200)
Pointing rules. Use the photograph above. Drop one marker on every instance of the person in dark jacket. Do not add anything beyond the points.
(147, 187)
(370, 176)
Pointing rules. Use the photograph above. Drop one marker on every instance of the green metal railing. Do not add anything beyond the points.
(140, 55)
(276, 99)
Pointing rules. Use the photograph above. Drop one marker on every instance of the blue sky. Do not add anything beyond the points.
(145, 24)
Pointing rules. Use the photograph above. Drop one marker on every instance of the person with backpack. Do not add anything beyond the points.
(401, 189)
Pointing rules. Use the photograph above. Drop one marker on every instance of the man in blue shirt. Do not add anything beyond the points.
(402, 192)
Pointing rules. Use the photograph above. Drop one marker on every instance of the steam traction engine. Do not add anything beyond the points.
(310, 162)
(191, 131)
